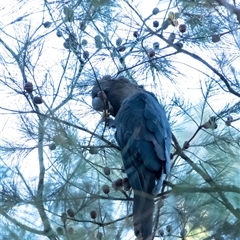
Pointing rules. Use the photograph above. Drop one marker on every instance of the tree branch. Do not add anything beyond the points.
(196, 57)
(230, 8)
(179, 188)
(39, 198)
(22, 226)
(206, 177)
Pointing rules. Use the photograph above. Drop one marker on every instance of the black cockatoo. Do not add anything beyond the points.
(144, 137)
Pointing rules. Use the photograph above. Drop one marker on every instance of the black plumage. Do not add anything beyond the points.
(144, 137)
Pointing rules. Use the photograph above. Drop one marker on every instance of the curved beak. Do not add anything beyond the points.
(98, 104)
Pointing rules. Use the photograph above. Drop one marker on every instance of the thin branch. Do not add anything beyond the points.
(22, 226)
(39, 203)
(206, 177)
(230, 8)
(179, 188)
(25, 183)
(196, 57)
(78, 127)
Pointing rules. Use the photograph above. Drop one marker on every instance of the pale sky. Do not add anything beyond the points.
(189, 87)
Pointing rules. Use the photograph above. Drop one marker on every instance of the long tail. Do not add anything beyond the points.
(143, 182)
(143, 207)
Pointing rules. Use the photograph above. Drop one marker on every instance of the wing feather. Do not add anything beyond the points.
(142, 130)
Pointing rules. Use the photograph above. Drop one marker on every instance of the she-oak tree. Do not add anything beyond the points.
(61, 170)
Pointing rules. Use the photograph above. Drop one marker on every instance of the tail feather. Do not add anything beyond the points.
(143, 182)
(142, 215)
